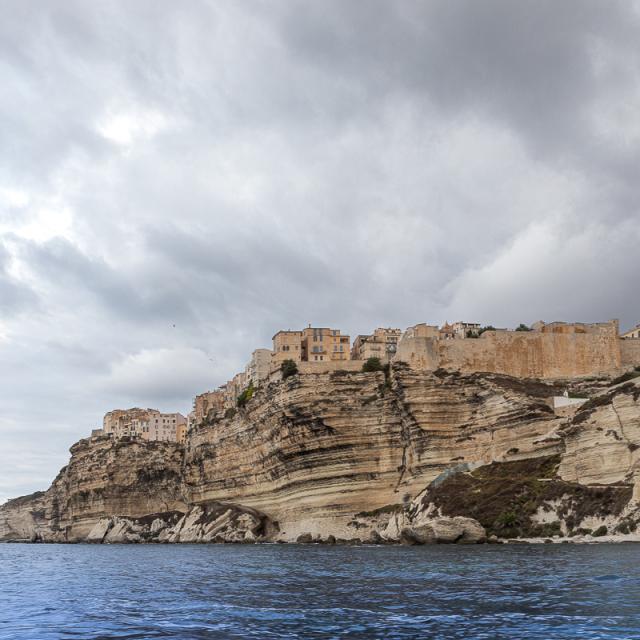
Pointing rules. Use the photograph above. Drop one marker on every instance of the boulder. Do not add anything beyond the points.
(444, 530)
(304, 538)
(100, 530)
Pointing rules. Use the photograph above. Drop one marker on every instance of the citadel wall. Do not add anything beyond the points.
(630, 352)
(553, 351)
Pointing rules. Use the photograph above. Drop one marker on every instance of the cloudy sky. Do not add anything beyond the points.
(178, 180)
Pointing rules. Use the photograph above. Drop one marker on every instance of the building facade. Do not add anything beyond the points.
(633, 333)
(206, 402)
(259, 367)
(322, 343)
(287, 345)
(148, 424)
(465, 329)
(313, 344)
(382, 344)
(233, 389)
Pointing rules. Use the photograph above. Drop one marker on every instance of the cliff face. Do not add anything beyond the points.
(348, 455)
(104, 477)
(316, 449)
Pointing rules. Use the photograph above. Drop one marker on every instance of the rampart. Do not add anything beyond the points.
(326, 366)
(551, 351)
(630, 352)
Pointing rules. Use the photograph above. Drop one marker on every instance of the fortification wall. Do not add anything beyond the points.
(326, 366)
(630, 352)
(531, 354)
(420, 352)
(329, 366)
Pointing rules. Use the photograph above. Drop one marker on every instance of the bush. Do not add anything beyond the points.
(246, 395)
(288, 368)
(600, 531)
(522, 327)
(372, 364)
(623, 527)
(507, 519)
(229, 413)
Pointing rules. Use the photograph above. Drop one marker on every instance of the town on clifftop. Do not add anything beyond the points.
(552, 351)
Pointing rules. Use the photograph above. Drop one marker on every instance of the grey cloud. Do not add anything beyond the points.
(15, 296)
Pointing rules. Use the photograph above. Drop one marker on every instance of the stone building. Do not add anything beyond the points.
(164, 426)
(447, 332)
(181, 432)
(259, 367)
(148, 424)
(322, 343)
(206, 402)
(382, 344)
(633, 333)
(313, 344)
(287, 345)
(233, 389)
(465, 329)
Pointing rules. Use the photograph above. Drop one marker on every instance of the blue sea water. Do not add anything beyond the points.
(294, 591)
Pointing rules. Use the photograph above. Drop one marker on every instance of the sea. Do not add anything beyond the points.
(312, 591)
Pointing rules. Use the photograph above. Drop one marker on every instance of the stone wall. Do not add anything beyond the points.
(569, 351)
(326, 366)
(630, 352)
(330, 366)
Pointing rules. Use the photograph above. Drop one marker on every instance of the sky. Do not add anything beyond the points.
(180, 180)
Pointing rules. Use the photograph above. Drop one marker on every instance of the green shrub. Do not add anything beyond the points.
(288, 368)
(507, 519)
(372, 364)
(600, 531)
(229, 413)
(523, 327)
(623, 527)
(246, 395)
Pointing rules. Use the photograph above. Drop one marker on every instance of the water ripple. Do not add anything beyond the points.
(193, 592)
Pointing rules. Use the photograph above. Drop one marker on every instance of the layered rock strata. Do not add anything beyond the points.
(358, 456)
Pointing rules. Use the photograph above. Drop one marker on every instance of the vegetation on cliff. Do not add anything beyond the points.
(506, 497)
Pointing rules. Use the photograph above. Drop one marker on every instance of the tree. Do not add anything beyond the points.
(288, 369)
(372, 364)
(522, 327)
(489, 327)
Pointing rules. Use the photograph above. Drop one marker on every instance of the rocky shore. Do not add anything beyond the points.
(408, 457)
